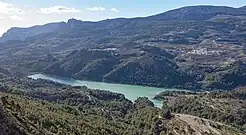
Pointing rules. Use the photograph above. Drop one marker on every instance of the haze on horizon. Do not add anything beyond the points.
(26, 13)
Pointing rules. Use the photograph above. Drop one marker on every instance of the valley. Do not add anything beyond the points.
(124, 76)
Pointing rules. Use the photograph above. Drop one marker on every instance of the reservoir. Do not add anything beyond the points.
(131, 92)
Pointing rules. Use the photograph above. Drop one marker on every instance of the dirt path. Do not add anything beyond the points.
(198, 124)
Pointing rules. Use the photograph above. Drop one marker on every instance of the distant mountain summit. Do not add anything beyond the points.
(72, 23)
(198, 13)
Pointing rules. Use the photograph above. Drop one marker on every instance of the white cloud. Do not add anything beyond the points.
(96, 9)
(10, 11)
(102, 9)
(15, 17)
(6, 8)
(58, 10)
(114, 10)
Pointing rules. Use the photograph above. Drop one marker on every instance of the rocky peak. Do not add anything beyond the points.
(73, 22)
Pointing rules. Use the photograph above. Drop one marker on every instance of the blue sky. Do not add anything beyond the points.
(24, 13)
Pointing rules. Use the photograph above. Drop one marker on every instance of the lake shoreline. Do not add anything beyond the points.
(111, 82)
(131, 92)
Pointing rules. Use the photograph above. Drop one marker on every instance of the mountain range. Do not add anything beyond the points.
(123, 26)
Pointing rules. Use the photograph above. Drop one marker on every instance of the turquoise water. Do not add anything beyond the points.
(132, 92)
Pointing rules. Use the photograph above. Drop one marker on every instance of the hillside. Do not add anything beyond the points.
(152, 67)
(40, 117)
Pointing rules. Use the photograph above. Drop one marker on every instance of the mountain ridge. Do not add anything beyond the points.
(188, 12)
(200, 12)
(18, 33)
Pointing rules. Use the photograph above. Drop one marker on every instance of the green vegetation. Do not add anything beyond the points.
(231, 77)
(25, 116)
(195, 48)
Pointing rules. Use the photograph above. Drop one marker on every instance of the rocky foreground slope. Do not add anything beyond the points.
(25, 116)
